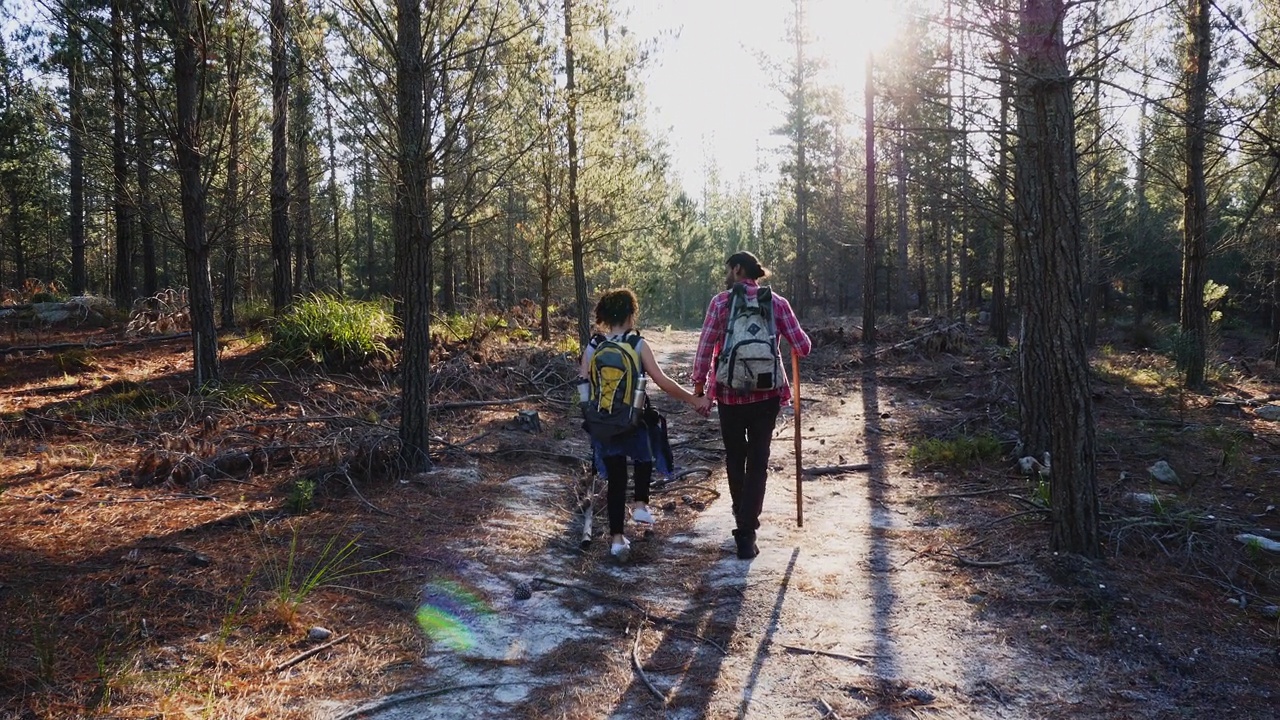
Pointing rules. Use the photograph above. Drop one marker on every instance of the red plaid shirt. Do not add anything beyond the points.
(712, 342)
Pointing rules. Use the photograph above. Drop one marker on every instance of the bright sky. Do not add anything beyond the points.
(709, 95)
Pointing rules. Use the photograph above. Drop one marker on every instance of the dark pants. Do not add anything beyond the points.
(748, 431)
(615, 467)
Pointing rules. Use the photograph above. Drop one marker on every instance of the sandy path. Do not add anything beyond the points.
(845, 583)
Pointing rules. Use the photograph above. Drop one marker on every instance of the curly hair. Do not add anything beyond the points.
(615, 306)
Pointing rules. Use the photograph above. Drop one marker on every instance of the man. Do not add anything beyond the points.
(747, 417)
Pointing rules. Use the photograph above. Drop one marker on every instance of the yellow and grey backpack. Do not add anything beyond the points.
(614, 374)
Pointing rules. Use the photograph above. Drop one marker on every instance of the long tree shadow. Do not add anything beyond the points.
(885, 664)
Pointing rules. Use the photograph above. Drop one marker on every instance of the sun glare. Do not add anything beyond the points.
(713, 98)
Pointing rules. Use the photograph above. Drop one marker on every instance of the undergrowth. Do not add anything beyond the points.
(333, 331)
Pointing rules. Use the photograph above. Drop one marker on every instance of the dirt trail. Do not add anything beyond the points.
(901, 639)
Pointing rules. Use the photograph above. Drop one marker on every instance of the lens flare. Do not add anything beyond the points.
(450, 614)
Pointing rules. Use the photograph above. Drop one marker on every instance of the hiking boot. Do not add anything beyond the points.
(746, 541)
(621, 550)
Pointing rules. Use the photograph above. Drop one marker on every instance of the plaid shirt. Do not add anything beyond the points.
(712, 341)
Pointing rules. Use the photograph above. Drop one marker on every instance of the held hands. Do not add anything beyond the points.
(702, 405)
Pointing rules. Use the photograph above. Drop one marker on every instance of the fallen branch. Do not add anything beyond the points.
(635, 661)
(916, 339)
(463, 404)
(88, 345)
(828, 712)
(962, 560)
(836, 469)
(971, 493)
(422, 695)
(860, 659)
(1037, 511)
(309, 653)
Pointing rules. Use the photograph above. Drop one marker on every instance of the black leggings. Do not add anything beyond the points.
(615, 467)
(748, 431)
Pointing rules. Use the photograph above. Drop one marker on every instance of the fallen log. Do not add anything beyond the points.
(836, 469)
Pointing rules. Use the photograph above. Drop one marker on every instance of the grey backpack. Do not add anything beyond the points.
(749, 358)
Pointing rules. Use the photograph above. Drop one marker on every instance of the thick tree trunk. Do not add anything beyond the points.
(1054, 397)
(1195, 211)
(122, 287)
(413, 237)
(187, 62)
(281, 282)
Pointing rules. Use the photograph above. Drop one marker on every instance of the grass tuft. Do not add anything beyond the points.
(962, 451)
(333, 331)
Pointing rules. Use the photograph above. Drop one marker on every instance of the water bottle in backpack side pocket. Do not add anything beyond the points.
(637, 402)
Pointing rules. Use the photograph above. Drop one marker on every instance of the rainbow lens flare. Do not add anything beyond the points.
(450, 614)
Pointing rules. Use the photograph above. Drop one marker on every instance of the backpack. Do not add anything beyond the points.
(748, 359)
(613, 374)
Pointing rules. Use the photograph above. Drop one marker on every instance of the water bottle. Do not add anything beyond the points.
(637, 402)
(584, 390)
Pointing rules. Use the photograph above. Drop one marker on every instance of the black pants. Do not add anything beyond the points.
(615, 467)
(748, 431)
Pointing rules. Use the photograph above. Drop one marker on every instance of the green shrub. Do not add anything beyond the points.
(333, 331)
(956, 452)
(122, 399)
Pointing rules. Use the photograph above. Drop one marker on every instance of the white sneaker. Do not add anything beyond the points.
(642, 515)
(621, 551)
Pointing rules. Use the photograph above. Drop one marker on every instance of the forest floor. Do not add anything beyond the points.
(253, 553)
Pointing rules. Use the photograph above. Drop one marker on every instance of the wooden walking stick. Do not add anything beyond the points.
(795, 399)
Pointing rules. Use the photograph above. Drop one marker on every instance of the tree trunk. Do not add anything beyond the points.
(902, 303)
(413, 237)
(576, 247)
(999, 303)
(335, 206)
(281, 282)
(187, 63)
(123, 286)
(869, 261)
(304, 270)
(231, 242)
(76, 151)
(800, 109)
(1055, 401)
(142, 157)
(1195, 210)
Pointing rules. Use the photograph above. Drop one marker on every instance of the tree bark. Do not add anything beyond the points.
(1054, 397)
(281, 282)
(413, 236)
(188, 36)
(304, 270)
(1195, 211)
